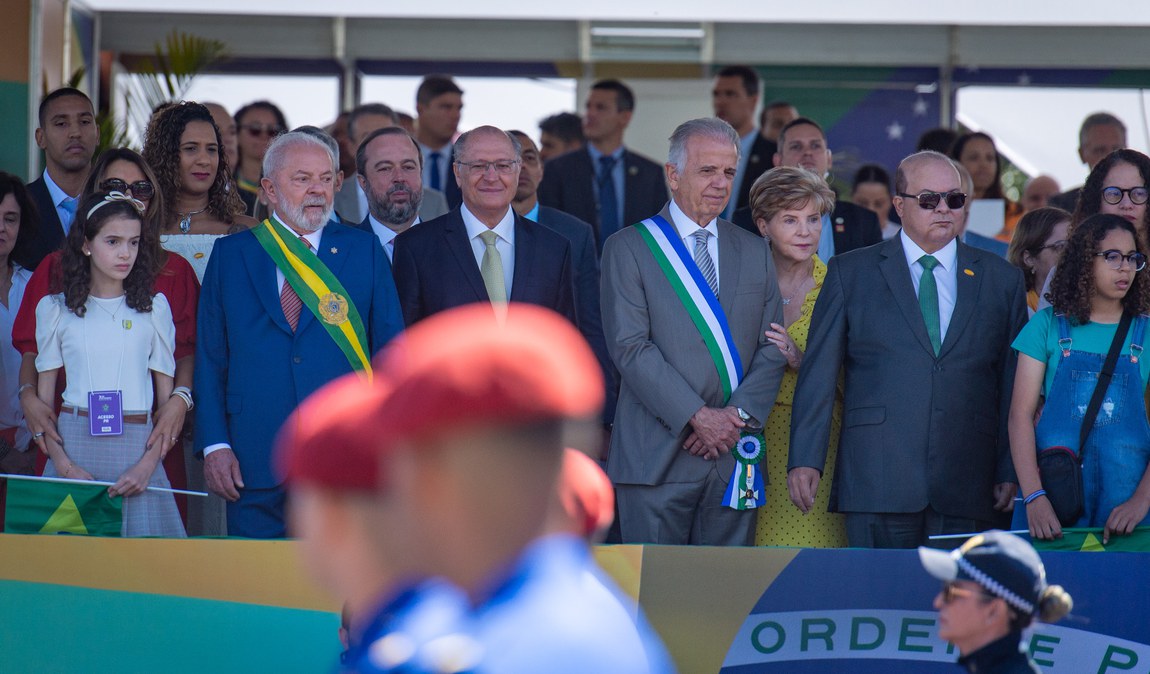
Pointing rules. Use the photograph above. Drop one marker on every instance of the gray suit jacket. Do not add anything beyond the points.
(348, 208)
(917, 429)
(665, 370)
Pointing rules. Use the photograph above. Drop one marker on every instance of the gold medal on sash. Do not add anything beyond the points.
(333, 308)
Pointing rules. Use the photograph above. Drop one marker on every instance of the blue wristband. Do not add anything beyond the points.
(1034, 495)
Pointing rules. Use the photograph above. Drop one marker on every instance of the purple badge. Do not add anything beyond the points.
(106, 412)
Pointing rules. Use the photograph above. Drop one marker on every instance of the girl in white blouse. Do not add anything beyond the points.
(114, 339)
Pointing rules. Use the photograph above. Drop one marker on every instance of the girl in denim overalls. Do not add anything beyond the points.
(1061, 351)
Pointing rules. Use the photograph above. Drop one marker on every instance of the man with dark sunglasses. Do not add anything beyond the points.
(922, 325)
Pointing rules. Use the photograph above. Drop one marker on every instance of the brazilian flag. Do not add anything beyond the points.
(38, 507)
(1090, 540)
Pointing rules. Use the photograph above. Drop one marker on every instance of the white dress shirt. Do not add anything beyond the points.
(945, 276)
(687, 228)
(505, 244)
(386, 235)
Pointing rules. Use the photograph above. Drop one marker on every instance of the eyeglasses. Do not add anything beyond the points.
(1057, 246)
(478, 168)
(929, 200)
(951, 591)
(1113, 195)
(141, 189)
(1114, 259)
(257, 129)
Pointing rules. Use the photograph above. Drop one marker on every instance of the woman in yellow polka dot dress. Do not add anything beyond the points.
(788, 205)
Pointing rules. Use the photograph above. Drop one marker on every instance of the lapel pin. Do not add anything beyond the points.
(633, 170)
(334, 250)
(968, 272)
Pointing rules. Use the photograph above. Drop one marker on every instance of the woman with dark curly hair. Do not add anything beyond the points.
(978, 153)
(18, 224)
(1118, 185)
(122, 170)
(114, 337)
(1099, 279)
(182, 145)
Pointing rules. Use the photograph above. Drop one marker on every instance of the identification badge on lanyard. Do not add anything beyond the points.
(106, 412)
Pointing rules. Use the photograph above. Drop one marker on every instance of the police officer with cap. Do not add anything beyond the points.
(994, 586)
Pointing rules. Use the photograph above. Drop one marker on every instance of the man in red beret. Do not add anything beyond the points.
(467, 420)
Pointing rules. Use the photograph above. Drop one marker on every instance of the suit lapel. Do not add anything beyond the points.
(262, 272)
(897, 276)
(525, 245)
(730, 264)
(969, 284)
(455, 238)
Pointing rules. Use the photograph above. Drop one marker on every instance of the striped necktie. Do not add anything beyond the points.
(703, 259)
(290, 301)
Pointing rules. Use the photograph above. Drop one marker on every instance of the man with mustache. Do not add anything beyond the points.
(389, 170)
(286, 307)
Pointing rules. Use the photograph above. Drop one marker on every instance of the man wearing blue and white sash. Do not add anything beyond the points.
(687, 298)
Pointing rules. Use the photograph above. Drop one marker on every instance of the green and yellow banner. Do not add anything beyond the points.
(70, 507)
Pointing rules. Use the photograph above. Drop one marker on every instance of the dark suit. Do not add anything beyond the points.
(667, 375)
(585, 263)
(853, 226)
(569, 185)
(450, 187)
(435, 268)
(252, 370)
(761, 160)
(1067, 201)
(50, 231)
(919, 431)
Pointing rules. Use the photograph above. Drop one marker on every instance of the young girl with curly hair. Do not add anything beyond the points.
(114, 339)
(1099, 278)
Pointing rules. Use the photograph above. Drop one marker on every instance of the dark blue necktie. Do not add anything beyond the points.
(433, 164)
(608, 200)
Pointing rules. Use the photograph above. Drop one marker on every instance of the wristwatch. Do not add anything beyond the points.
(753, 425)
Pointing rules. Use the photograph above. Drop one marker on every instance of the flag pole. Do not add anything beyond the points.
(65, 480)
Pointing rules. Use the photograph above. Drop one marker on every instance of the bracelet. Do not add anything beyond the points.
(184, 393)
(24, 387)
(1033, 496)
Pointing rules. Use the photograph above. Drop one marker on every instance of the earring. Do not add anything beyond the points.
(87, 253)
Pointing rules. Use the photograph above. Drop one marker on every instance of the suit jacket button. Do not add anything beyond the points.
(297, 360)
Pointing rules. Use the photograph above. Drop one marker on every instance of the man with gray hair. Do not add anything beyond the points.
(483, 251)
(687, 298)
(286, 307)
(1100, 134)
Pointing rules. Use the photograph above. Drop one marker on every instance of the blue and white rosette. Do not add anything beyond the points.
(745, 490)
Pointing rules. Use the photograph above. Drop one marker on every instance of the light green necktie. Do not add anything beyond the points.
(928, 301)
(491, 268)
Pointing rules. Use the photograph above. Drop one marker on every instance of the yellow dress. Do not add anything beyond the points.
(779, 521)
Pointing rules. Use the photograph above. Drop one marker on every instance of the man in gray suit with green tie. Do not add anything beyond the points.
(920, 327)
(687, 298)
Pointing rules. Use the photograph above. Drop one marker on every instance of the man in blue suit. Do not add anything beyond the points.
(483, 251)
(267, 342)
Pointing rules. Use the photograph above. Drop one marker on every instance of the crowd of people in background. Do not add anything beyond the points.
(778, 364)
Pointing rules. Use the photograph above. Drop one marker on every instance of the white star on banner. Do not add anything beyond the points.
(1024, 80)
(920, 107)
(894, 131)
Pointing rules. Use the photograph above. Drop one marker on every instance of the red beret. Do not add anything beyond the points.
(322, 442)
(586, 494)
(466, 367)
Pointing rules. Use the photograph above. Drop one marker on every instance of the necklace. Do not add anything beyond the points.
(119, 306)
(186, 219)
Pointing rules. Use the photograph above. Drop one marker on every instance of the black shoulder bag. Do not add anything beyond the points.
(1058, 467)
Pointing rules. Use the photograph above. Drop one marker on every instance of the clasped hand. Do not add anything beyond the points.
(714, 432)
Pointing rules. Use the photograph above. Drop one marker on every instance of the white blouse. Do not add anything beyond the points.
(195, 248)
(112, 347)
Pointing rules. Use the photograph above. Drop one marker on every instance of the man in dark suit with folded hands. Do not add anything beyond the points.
(483, 251)
(921, 325)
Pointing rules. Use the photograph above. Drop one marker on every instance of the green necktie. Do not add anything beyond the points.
(491, 268)
(928, 301)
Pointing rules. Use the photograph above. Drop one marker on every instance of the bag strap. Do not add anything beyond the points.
(1103, 383)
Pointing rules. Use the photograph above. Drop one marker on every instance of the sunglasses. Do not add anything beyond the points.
(1114, 260)
(257, 129)
(1113, 195)
(951, 592)
(929, 200)
(141, 189)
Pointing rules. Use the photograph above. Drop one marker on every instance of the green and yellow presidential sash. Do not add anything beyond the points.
(319, 290)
